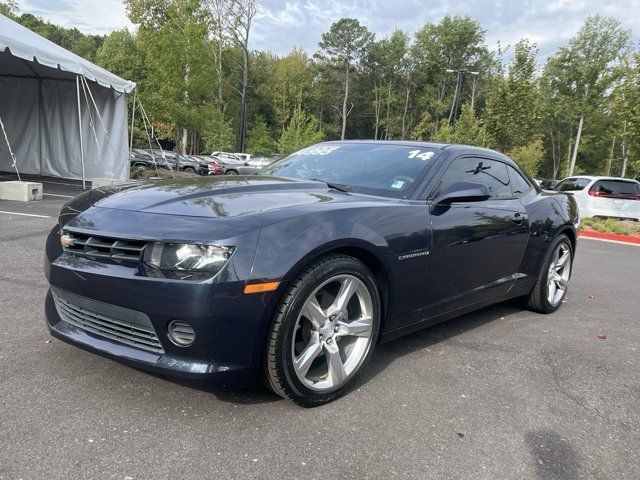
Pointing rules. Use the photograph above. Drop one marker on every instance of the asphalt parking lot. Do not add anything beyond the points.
(499, 394)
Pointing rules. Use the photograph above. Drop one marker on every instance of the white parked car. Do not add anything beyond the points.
(603, 196)
(261, 161)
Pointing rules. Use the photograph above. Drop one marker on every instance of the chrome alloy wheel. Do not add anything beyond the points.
(559, 273)
(333, 333)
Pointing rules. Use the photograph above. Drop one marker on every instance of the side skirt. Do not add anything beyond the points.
(414, 327)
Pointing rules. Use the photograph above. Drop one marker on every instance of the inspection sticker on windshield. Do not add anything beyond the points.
(398, 184)
(321, 150)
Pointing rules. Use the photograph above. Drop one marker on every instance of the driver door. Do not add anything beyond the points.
(477, 246)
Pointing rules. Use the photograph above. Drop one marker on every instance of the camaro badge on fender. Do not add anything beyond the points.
(413, 255)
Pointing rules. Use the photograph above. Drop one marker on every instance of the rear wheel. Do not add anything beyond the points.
(324, 331)
(553, 281)
(232, 172)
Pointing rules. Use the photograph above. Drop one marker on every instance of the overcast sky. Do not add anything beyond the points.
(283, 24)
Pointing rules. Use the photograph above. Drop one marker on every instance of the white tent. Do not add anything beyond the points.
(64, 116)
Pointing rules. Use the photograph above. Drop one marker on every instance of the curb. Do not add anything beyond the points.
(609, 237)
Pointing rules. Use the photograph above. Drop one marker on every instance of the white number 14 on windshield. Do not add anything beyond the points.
(420, 154)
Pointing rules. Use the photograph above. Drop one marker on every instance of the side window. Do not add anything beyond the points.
(519, 184)
(491, 173)
(572, 184)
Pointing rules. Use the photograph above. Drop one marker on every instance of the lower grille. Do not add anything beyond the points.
(116, 323)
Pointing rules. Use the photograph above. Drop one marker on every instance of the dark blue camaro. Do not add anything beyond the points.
(294, 275)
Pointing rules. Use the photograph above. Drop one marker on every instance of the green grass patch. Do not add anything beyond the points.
(612, 225)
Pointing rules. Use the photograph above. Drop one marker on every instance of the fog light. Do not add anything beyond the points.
(181, 333)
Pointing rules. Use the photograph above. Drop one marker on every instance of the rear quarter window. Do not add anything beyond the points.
(519, 184)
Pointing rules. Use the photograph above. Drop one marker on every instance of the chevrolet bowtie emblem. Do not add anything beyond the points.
(66, 240)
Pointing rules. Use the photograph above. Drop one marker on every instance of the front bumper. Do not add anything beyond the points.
(229, 325)
(165, 364)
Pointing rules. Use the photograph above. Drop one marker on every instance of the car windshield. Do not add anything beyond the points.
(377, 168)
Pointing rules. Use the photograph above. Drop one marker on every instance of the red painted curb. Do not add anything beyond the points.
(609, 236)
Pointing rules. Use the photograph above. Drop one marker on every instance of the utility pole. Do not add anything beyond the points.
(455, 107)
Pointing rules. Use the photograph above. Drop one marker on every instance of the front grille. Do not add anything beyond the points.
(116, 323)
(93, 246)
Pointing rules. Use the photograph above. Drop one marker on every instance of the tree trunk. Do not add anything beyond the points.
(185, 141)
(553, 153)
(376, 110)
(243, 108)
(607, 170)
(572, 165)
(625, 156)
(473, 93)
(386, 131)
(404, 114)
(219, 70)
(344, 101)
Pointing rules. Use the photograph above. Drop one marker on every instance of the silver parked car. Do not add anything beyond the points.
(232, 166)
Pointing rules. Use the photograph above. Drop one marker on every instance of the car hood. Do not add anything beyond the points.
(224, 196)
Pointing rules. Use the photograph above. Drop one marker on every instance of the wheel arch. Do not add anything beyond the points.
(569, 231)
(357, 249)
(354, 249)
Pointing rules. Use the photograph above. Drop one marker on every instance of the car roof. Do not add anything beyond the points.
(593, 177)
(449, 147)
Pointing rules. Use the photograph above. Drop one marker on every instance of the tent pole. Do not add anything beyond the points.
(133, 116)
(84, 183)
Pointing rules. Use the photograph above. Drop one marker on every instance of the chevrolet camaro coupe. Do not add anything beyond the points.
(292, 277)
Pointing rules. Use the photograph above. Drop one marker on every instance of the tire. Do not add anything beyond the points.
(188, 170)
(231, 172)
(539, 300)
(140, 166)
(340, 342)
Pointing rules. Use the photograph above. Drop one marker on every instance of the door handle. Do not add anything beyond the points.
(518, 218)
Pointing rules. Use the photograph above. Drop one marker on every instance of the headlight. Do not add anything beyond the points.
(186, 257)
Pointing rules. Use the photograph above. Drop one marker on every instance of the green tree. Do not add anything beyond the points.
(302, 131)
(469, 131)
(387, 62)
(345, 45)
(513, 108)
(218, 132)
(624, 116)
(119, 53)
(453, 43)
(260, 139)
(582, 74)
(529, 156)
(177, 87)
(292, 78)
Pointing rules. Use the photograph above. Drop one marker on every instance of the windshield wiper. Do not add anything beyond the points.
(335, 186)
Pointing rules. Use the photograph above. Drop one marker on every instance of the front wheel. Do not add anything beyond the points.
(232, 172)
(323, 331)
(553, 281)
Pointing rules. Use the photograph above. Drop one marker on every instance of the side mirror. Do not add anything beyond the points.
(463, 192)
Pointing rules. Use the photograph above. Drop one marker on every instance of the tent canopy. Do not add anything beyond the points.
(27, 45)
(57, 122)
